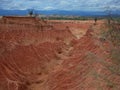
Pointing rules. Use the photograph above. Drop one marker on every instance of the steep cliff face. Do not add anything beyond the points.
(71, 58)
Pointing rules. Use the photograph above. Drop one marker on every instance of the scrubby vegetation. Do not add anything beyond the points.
(113, 35)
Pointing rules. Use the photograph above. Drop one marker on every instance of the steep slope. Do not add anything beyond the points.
(72, 58)
(88, 67)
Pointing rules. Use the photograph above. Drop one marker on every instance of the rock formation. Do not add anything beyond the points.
(67, 56)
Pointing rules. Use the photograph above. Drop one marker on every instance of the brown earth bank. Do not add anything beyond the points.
(40, 54)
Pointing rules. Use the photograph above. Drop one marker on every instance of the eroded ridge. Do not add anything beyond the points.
(68, 58)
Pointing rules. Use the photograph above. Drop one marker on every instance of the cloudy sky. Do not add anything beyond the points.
(91, 5)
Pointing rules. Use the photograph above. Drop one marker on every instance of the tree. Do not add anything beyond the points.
(112, 8)
(95, 19)
(31, 12)
(108, 11)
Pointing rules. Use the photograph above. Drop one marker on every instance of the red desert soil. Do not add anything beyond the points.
(54, 55)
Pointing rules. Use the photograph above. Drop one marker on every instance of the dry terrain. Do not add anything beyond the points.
(40, 54)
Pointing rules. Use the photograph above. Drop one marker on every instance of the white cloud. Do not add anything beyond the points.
(48, 8)
(58, 4)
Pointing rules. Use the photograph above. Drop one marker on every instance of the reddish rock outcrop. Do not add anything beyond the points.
(56, 58)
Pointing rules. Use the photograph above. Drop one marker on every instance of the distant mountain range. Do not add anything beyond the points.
(56, 12)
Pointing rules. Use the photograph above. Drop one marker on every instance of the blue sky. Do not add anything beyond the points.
(91, 5)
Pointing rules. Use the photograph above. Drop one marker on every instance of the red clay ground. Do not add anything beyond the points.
(55, 55)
